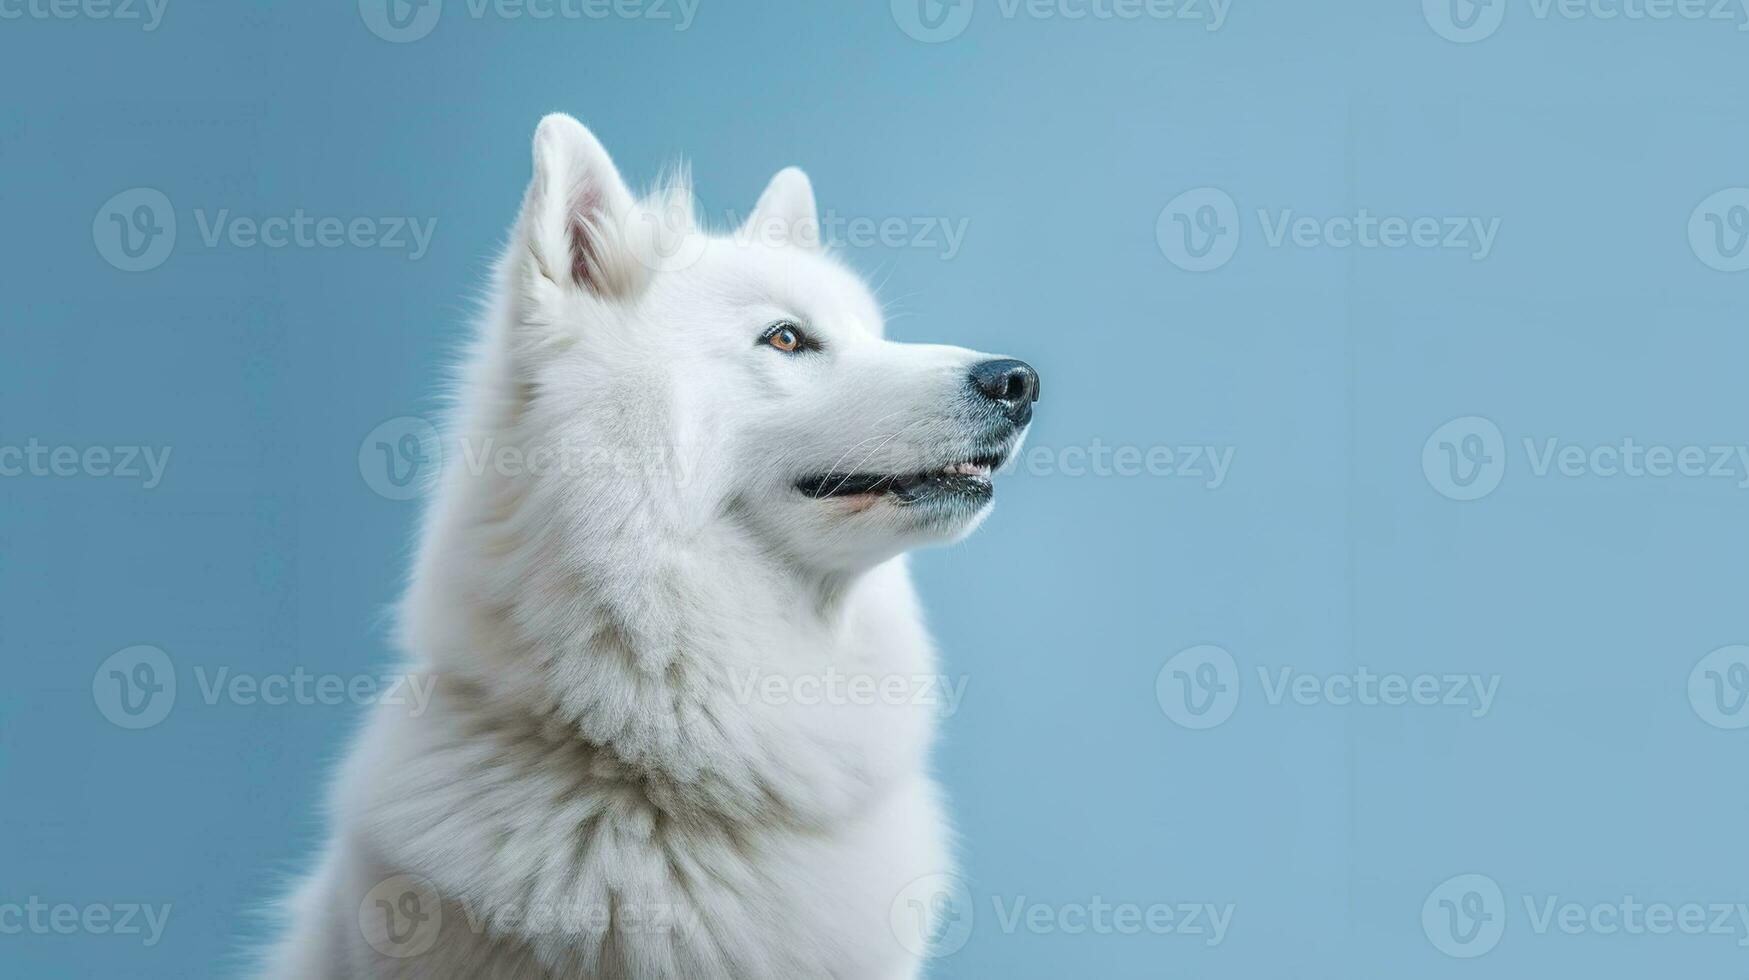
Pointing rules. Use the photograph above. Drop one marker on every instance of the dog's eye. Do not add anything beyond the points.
(786, 337)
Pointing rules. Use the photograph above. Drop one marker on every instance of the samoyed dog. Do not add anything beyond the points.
(674, 727)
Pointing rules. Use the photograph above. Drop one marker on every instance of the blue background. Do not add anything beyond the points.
(1058, 142)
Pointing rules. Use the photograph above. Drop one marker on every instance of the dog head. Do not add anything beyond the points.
(741, 377)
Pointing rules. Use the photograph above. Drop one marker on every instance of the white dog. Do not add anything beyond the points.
(676, 489)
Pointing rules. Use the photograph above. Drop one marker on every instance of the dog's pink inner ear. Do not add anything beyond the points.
(582, 226)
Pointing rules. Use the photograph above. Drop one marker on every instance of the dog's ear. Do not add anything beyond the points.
(577, 212)
(785, 213)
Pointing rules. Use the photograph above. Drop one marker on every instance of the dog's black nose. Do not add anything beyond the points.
(1011, 384)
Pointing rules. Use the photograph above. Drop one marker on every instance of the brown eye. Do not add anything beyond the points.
(784, 337)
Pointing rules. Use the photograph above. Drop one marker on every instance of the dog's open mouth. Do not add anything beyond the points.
(966, 479)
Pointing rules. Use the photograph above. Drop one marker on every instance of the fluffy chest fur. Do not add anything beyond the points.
(714, 848)
(688, 828)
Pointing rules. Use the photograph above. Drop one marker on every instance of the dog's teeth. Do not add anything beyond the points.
(965, 469)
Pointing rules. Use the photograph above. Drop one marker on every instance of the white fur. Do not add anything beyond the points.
(588, 753)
